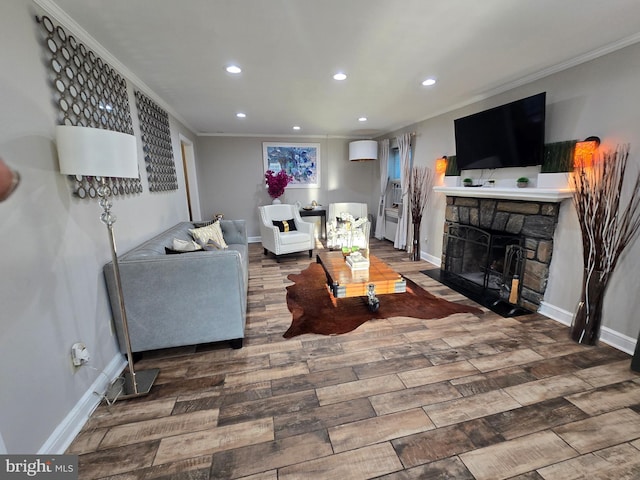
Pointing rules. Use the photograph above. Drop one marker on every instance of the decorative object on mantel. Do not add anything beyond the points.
(607, 227)
(557, 165)
(558, 157)
(452, 173)
(419, 192)
(468, 182)
(452, 167)
(522, 182)
(276, 183)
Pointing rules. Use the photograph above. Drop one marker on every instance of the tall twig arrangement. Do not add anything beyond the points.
(607, 228)
(419, 193)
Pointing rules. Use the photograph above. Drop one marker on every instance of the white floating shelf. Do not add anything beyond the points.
(531, 194)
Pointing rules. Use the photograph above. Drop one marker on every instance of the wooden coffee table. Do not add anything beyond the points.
(378, 279)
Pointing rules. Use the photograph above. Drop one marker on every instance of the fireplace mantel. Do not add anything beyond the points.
(530, 194)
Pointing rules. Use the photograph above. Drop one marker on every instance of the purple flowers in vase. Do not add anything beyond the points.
(277, 182)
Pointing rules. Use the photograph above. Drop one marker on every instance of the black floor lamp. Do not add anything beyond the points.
(102, 154)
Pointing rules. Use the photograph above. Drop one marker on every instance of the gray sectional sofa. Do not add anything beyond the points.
(185, 299)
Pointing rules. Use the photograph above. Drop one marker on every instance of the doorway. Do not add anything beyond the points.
(190, 178)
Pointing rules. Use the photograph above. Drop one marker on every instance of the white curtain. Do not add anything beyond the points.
(384, 181)
(404, 146)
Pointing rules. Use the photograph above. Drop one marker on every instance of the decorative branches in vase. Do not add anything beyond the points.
(607, 227)
(419, 192)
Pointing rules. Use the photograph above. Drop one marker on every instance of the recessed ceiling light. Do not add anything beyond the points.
(340, 76)
(296, 127)
(362, 119)
(241, 115)
(429, 81)
(233, 69)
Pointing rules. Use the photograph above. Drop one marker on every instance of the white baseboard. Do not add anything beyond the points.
(431, 259)
(63, 435)
(607, 335)
(556, 313)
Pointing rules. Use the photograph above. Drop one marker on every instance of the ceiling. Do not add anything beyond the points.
(290, 49)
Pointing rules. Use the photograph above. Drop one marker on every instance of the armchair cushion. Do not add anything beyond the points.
(285, 225)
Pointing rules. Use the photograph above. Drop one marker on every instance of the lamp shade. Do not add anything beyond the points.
(363, 150)
(96, 152)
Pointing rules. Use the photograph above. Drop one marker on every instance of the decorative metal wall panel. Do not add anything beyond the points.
(156, 144)
(88, 92)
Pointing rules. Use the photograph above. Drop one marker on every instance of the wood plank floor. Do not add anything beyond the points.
(464, 397)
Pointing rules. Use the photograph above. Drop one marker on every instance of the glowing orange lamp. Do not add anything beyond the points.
(584, 152)
(441, 165)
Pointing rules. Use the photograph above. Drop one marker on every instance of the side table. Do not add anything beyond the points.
(317, 212)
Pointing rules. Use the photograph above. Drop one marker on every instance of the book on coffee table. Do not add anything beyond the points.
(357, 261)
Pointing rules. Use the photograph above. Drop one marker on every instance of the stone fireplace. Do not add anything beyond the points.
(509, 225)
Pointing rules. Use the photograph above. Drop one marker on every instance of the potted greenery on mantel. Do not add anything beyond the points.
(452, 173)
(557, 164)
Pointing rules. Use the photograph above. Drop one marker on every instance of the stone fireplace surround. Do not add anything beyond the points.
(534, 220)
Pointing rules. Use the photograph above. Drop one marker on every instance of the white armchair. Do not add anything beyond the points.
(355, 233)
(279, 236)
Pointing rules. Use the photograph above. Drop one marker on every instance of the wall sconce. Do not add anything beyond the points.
(585, 151)
(441, 165)
(363, 150)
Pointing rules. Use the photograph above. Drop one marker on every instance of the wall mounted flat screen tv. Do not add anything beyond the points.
(511, 135)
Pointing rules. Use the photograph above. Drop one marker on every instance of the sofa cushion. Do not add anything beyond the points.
(285, 225)
(211, 232)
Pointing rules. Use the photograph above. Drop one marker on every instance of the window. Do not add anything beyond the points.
(393, 167)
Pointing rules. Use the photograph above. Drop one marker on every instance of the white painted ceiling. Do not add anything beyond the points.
(289, 50)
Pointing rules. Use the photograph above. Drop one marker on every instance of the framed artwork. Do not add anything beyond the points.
(300, 160)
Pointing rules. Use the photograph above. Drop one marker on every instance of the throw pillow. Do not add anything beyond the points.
(285, 225)
(210, 232)
(171, 251)
(212, 245)
(185, 245)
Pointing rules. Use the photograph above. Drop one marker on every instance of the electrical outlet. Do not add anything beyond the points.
(79, 354)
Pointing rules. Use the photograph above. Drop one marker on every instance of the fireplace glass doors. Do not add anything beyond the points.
(482, 262)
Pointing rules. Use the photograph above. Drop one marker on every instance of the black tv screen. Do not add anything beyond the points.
(511, 135)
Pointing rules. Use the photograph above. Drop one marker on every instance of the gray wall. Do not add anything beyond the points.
(53, 247)
(231, 177)
(595, 98)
